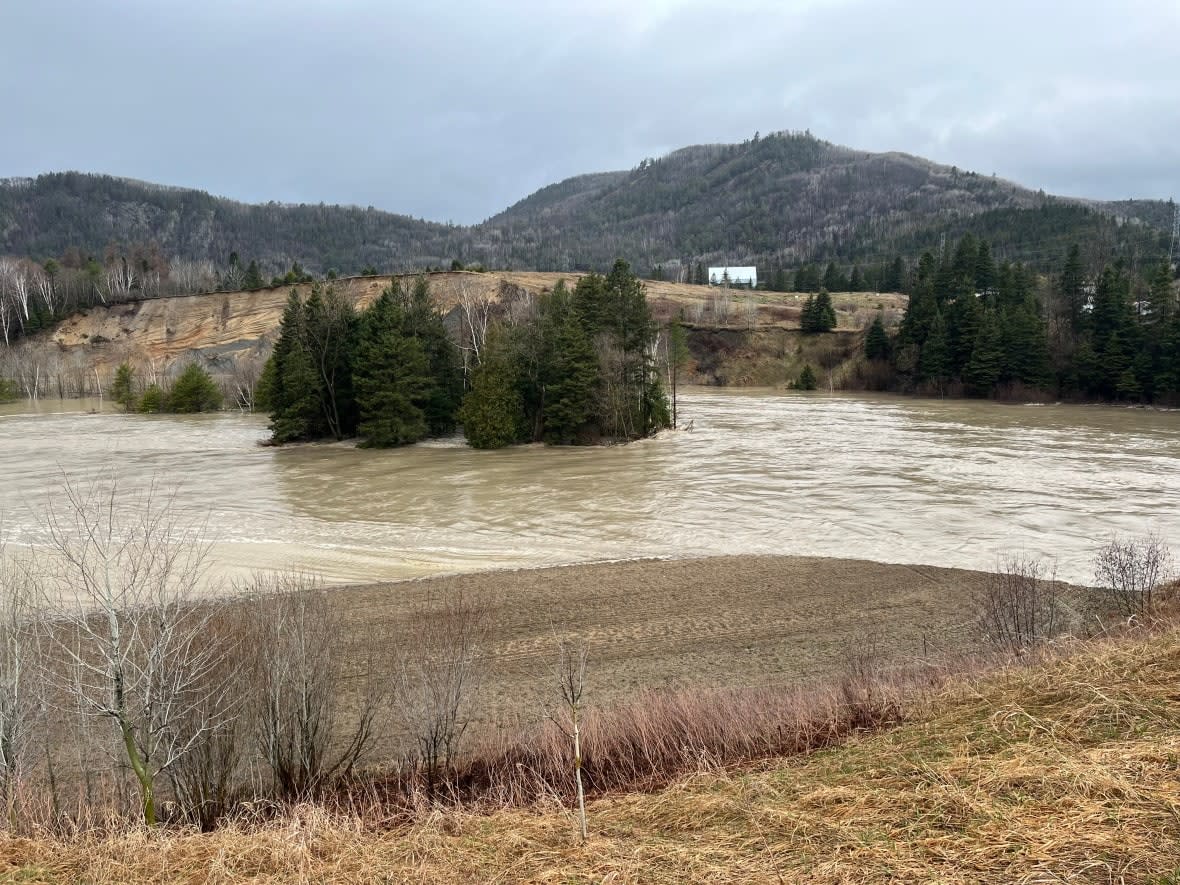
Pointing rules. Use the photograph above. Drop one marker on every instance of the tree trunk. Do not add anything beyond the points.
(142, 774)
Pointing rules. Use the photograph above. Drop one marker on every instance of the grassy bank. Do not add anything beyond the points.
(1060, 771)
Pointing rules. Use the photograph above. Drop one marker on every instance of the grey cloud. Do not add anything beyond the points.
(453, 110)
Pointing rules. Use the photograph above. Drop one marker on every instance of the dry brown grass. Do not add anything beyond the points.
(1066, 772)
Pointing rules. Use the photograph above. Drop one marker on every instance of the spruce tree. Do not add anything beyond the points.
(571, 386)
(987, 358)
(253, 279)
(492, 411)
(391, 377)
(122, 389)
(877, 340)
(934, 363)
(194, 391)
(330, 333)
(833, 279)
(825, 313)
(424, 322)
(807, 379)
(985, 268)
(295, 397)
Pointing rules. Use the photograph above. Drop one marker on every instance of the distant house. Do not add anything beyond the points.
(734, 276)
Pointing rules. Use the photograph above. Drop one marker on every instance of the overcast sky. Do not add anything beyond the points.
(452, 110)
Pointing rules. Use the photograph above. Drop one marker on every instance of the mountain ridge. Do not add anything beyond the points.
(778, 200)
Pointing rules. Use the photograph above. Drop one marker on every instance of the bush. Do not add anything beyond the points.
(1020, 605)
(153, 399)
(8, 392)
(1129, 574)
(807, 379)
(194, 391)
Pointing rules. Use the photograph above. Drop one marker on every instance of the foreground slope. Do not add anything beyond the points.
(1064, 772)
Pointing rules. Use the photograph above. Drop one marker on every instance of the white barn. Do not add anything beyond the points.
(737, 276)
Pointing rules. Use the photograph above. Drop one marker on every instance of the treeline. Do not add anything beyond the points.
(37, 295)
(567, 367)
(983, 329)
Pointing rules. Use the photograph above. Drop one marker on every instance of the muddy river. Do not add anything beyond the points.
(952, 483)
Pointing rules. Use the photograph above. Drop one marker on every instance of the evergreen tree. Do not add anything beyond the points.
(856, 282)
(424, 322)
(1163, 294)
(987, 358)
(122, 390)
(1026, 351)
(296, 409)
(153, 400)
(807, 379)
(934, 364)
(253, 279)
(329, 329)
(391, 377)
(963, 319)
(818, 314)
(833, 279)
(492, 411)
(194, 391)
(572, 383)
(877, 340)
(985, 268)
(807, 321)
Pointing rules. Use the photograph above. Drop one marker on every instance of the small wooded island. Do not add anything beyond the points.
(573, 367)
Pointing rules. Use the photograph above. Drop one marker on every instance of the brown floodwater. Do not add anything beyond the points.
(942, 482)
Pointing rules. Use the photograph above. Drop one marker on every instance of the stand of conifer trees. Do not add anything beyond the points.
(989, 330)
(576, 367)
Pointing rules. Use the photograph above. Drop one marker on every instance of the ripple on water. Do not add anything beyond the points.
(939, 482)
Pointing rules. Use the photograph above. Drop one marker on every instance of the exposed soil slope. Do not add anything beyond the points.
(219, 326)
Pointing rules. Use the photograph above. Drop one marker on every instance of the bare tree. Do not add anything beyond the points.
(438, 676)
(1129, 573)
(121, 615)
(722, 302)
(477, 314)
(43, 283)
(308, 731)
(571, 681)
(244, 377)
(188, 277)
(18, 701)
(1020, 604)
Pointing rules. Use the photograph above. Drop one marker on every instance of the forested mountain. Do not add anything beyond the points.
(47, 216)
(776, 201)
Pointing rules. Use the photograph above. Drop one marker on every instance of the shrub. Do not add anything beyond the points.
(153, 399)
(1129, 574)
(807, 379)
(8, 391)
(1020, 605)
(194, 391)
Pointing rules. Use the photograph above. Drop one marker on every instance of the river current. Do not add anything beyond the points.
(943, 482)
